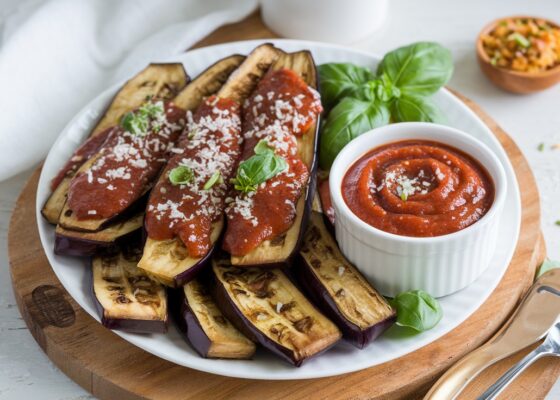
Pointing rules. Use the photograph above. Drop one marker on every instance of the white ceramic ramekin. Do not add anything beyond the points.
(439, 265)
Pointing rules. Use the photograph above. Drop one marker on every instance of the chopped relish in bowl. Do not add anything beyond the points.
(523, 45)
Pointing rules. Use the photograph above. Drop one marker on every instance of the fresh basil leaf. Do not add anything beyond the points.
(215, 178)
(138, 122)
(547, 265)
(416, 108)
(338, 80)
(181, 175)
(416, 309)
(420, 68)
(262, 147)
(259, 168)
(346, 121)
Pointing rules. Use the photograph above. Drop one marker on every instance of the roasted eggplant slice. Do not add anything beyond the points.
(168, 260)
(162, 81)
(85, 244)
(207, 329)
(126, 298)
(208, 82)
(268, 308)
(339, 289)
(280, 250)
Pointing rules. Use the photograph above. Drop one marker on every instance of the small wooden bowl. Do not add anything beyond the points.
(514, 81)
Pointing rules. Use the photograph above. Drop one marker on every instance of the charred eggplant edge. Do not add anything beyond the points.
(122, 324)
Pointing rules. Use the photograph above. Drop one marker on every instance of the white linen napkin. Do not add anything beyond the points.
(57, 55)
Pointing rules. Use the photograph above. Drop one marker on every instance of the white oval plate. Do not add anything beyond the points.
(343, 358)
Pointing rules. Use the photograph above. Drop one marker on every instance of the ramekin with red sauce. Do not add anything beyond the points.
(417, 206)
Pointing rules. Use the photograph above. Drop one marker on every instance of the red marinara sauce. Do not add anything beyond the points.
(210, 144)
(281, 109)
(125, 167)
(418, 188)
(82, 154)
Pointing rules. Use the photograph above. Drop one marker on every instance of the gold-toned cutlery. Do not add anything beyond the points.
(532, 320)
(550, 347)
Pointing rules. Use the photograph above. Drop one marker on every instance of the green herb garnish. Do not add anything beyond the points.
(540, 147)
(416, 309)
(557, 222)
(215, 178)
(520, 39)
(357, 100)
(259, 168)
(404, 196)
(181, 175)
(138, 122)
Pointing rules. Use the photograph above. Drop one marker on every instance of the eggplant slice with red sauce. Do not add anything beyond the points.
(168, 261)
(206, 328)
(339, 289)
(160, 81)
(126, 298)
(270, 310)
(82, 243)
(280, 251)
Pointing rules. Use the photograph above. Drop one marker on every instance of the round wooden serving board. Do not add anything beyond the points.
(111, 368)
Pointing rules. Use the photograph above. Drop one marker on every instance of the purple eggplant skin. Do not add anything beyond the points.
(69, 246)
(191, 273)
(81, 247)
(323, 300)
(236, 317)
(189, 325)
(127, 325)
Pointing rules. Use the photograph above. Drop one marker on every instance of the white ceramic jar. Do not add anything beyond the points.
(337, 21)
(440, 265)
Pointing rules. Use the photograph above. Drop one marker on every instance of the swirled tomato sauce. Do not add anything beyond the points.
(282, 108)
(124, 168)
(211, 143)
(418, 188)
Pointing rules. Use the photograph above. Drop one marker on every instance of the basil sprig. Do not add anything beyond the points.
(357, 100)
(215, 178)
(416, 309)
(138, 122)
(259, 168)
(181, 175)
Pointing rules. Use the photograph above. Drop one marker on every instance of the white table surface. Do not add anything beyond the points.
(25, 371)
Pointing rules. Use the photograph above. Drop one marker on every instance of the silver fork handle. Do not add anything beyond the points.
(493, 391)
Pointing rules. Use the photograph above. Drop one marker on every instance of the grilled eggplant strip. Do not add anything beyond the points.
(281, 250)
(205, 327)
(208, 82)
(162, 81)
(84, 244)
(125, 297)
(339, 289)
(168, 260)
(268, 308)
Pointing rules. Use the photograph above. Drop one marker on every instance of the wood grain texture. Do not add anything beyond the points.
(111, 368)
